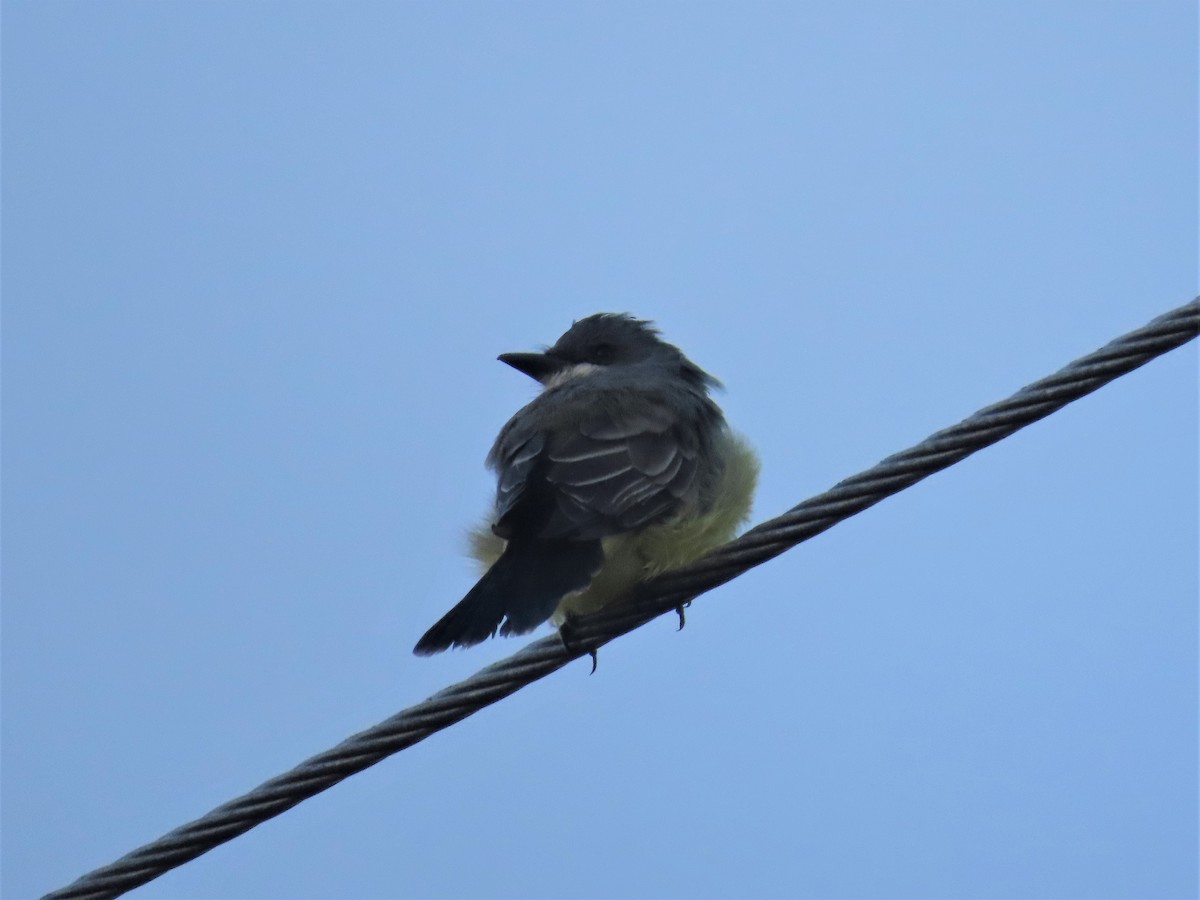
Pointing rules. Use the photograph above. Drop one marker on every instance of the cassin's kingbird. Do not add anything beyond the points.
(621, 468)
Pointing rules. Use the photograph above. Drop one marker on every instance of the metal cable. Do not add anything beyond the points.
(662, 594)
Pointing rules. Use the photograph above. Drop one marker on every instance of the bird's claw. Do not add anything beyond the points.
(564, 633)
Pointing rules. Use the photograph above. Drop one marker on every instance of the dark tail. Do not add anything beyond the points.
(517, 594)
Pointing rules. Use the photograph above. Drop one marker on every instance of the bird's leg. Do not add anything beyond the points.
(564, 633)
(682, 619)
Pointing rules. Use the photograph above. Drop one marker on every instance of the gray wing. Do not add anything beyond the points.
(515, 457)
(596, 475)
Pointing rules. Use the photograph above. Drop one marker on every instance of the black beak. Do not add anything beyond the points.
(538, 366)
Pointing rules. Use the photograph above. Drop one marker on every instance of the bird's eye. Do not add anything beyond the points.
(603, 353)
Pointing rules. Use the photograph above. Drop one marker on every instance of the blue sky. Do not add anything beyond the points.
(259, 260)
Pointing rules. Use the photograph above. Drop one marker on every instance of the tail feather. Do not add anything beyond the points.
(517, 594)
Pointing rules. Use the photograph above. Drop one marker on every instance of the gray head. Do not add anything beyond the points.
(604, 340)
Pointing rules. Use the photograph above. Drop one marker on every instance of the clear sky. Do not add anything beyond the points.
(259, 259)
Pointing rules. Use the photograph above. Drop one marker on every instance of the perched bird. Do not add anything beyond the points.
(621, 468)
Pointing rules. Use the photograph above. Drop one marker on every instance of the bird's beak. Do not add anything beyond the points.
(538, 366)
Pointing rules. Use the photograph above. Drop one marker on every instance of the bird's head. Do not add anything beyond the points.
(605, 340)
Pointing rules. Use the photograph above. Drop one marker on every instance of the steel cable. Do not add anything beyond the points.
(663, 594)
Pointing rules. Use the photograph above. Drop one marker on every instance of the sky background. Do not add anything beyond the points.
(258, 262)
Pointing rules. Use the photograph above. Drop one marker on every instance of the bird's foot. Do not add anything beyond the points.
(564, 633)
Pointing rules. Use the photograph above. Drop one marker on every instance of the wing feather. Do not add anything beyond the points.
(591, 472)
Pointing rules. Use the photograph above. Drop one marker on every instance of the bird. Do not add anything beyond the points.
(621, 468)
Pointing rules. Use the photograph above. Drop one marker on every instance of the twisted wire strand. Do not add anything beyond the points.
(655, 597)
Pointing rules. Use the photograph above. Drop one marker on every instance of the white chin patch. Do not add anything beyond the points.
(576, 371)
